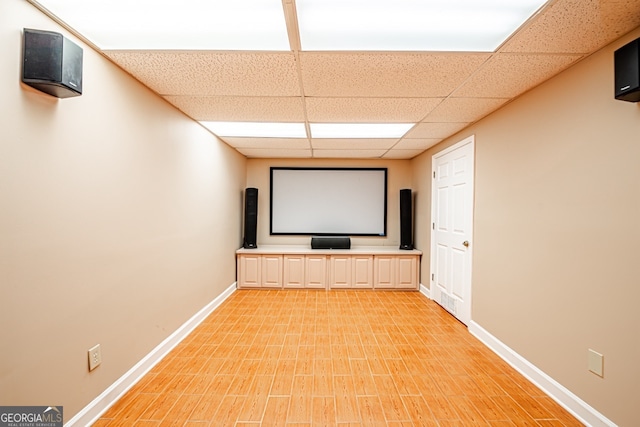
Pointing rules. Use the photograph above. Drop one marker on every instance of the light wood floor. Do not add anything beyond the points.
(333, 358)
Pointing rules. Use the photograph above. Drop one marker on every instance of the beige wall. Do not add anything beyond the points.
(119, 220)
(556, 258)
(398, 177)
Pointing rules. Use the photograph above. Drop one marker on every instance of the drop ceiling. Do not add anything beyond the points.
(440, 92)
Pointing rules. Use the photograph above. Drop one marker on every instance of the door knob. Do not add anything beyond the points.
(465, 243)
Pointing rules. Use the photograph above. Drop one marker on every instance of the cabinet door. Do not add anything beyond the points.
(293, 269)
(407, 272)
(249, 271)
(340, 271)
(362, 271)
(384, 272)
(315, 271)
(272, 271)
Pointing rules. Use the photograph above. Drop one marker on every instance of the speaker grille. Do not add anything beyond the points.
(42, 56)
(330, 242)
(250, 218)
(406, 214)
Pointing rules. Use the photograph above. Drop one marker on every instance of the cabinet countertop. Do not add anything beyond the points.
(306, 250)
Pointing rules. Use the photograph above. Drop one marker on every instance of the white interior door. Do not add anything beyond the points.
(451, 228)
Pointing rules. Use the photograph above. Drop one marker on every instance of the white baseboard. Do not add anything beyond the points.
(90, 413)
(572, 403)
(425, 291)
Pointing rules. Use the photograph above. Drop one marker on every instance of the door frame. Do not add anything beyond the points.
(434, 157)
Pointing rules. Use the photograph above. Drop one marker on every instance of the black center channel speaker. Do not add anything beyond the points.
(51, 63)
(627, 72)
(406, 220)
(330, 242)
(250, 218)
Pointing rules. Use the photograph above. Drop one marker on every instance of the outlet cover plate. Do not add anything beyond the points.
(596, 363)
(95, 357)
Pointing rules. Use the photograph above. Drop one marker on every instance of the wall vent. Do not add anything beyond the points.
(449, 303)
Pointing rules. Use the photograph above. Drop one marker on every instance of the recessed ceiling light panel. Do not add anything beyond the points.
(175, 24)
(257, 129)
(359, 130)
(410, 25)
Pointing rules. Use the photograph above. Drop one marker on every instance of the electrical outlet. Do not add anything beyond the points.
(95, 357)
(595, 363)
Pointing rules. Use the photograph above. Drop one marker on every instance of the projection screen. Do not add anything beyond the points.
(329, 201)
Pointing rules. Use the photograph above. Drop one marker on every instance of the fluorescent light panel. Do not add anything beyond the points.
(176, 24)
(410, 25)
(257, 129)
(389, 25)
(359, 130)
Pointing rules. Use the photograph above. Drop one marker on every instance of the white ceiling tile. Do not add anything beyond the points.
(435, 130)
(240, 108)
(509, 75)
(212, 73)
(274, 153)
(369, 110)
(386, 74)
(415, 144)
(276, 143)
(348, 154)
(576, 26)
(352, 144)
(402, 154)
(464, 109)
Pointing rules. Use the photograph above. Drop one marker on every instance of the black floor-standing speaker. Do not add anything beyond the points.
(250, 218)
(406, 220)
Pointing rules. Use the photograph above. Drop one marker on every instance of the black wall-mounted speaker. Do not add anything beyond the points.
(51, 63)
(627, 72)
(330, 242)
(250, 218)
(406, 220)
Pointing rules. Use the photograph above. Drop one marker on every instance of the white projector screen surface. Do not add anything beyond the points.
(329, 201)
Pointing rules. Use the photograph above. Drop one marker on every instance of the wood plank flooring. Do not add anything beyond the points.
(333, 358)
